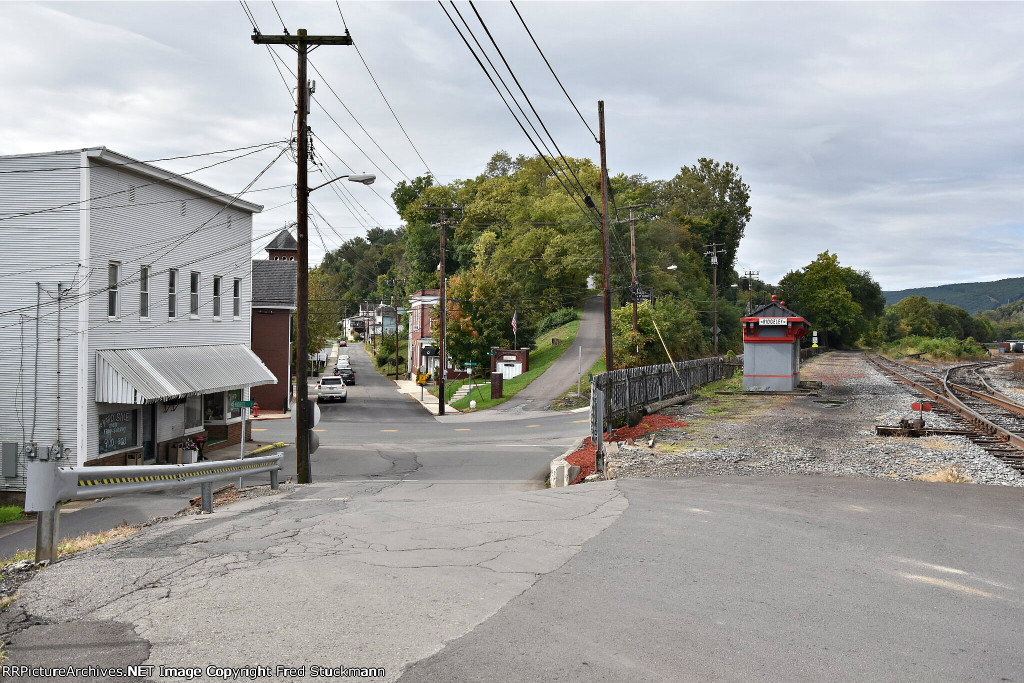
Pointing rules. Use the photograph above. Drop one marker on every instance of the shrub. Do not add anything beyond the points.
(944, 348)
(556, 319)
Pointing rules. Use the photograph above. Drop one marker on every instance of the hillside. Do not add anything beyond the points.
(972, 296)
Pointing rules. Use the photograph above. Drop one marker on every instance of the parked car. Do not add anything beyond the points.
(348, 375)
(331, 388)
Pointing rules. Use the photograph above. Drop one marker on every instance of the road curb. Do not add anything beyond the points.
(562, 473)
(268, 447)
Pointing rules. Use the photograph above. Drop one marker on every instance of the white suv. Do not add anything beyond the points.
(331, 388)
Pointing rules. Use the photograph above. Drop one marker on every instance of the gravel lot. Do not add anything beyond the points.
(831, 433)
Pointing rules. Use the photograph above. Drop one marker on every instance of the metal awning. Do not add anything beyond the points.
(146, 375)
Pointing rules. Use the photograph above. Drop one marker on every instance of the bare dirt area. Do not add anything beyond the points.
(830, 433)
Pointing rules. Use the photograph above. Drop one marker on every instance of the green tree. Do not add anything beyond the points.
(827, 303)
(675, 319)
(918, 316)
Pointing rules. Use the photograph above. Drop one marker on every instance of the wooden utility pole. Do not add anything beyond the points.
(606, 242)
(443, 225)
(634, 288)
(750, 275)
(713, 250)
(301, 43)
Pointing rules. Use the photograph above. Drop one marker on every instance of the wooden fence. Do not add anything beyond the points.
(622, 392)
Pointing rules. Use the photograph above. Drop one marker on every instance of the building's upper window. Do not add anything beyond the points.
(144, 292)
(216, 296)
(172, 293)
(113, 294)
(193, 305)
(236, 306)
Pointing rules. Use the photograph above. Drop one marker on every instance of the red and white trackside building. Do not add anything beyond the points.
(771, 348)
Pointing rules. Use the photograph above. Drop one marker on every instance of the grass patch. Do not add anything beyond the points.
(541, 359)
(734, 383)
(70, 546)
(11, 513)
(948, 475)
(6, 602)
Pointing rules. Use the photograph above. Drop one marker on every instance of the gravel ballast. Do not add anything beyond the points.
(830, 433)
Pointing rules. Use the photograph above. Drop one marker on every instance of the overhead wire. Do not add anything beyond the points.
(521, 126)
(383, 97)
(552, 70)
(527, 97)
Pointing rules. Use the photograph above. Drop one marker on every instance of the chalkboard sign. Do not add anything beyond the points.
(118, 430)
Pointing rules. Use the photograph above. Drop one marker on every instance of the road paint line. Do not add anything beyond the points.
(319, 430)
(948, 584)
(935, 567)
(463, 429)
(259, 429)
(578, 421)
(389, 430)
(529, 426)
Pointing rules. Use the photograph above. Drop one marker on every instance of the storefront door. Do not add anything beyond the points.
(149, 433)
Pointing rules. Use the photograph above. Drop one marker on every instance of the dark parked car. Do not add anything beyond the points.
(347, 375)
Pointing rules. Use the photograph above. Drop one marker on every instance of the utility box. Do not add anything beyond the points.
(496, 386)
(771, 348)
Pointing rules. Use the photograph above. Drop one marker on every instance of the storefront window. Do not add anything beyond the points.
(234, 395)
(193, 412)
(213, 407)
(118, 430)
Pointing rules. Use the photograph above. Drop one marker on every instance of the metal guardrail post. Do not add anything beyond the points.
(207, 496)
(275, 479)
(47, 523)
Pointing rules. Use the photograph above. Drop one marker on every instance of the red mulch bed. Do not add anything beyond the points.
(585, 458)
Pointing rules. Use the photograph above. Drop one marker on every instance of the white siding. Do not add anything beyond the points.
(151, 230)
(43, 248)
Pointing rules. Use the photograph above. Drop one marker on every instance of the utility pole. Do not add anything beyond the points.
(301, 43)
(394, 305)
(443, 225)
(713, 250)
(750, 275)
(634, 289)
(606, 241)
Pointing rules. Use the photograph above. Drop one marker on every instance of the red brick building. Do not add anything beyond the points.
(273, 305)
(422, 353)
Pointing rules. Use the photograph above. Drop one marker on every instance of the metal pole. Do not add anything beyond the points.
(47, 523)
(394, 307)
(579, 370)
(606, 243)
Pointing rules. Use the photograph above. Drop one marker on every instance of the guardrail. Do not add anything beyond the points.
(618, 393)
(49, 484)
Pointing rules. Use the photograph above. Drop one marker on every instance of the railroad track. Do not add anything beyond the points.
(995, 422)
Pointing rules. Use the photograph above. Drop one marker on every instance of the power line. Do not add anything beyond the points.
(551, 69)
(527, 97)
(377, 85)
(521, 126)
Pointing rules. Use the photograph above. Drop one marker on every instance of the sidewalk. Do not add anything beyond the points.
(429, 401)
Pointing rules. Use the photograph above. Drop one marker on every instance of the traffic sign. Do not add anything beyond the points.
(470, 365)
(242, 404)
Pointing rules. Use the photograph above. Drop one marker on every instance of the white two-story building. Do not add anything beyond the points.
(125, 297)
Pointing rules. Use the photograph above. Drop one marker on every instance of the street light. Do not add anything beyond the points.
(364, 178)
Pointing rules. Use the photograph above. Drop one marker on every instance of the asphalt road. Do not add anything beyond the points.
(562, 374)
(379, 434)
(799, 578)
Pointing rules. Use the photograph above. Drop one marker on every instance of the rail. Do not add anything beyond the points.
(49, 484)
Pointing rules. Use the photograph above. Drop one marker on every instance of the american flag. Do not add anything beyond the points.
(515, 329)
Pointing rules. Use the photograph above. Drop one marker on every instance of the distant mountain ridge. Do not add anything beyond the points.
(971, 296)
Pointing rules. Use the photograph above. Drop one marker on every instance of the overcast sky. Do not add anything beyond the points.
(890, 133)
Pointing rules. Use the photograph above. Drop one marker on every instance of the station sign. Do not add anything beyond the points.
(773, 321)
